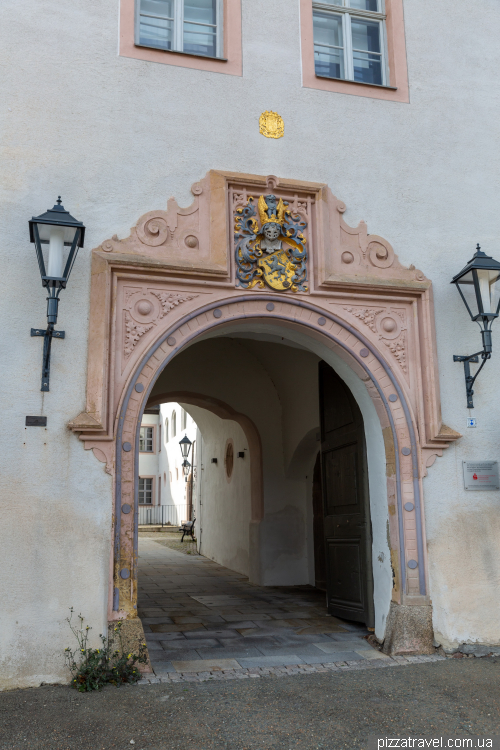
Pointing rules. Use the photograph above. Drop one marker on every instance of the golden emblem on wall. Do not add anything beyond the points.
(272, 125)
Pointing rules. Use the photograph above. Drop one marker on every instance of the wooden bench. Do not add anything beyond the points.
(187, 528)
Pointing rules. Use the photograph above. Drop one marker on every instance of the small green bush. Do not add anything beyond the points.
(92, 668)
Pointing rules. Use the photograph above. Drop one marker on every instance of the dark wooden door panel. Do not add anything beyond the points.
(347, 525)
(346, 574)
(319, 528)
(341, 468)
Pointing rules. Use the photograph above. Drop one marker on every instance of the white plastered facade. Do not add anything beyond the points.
(117, 137)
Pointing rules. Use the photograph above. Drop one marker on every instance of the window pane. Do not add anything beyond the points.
(156, 23)
(367, 68)
(365, 35)
(162, 8)
(200, 35)
(328, 30)
(328, 45)
(146, 440)
(200, 11)
(198, 40)
(372, 5)
(145, 491)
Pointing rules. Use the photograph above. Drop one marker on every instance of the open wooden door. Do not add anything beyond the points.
(346, 504)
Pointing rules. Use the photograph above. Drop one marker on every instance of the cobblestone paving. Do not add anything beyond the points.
(205, 622)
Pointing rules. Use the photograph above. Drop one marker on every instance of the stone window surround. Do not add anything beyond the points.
(397, 89)
(231, 63)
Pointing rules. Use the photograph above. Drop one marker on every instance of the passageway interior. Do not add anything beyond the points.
(251, 592)
(258, 399)
(199, 616)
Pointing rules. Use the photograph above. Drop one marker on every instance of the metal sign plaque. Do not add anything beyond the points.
(481, 475)
(36, 421)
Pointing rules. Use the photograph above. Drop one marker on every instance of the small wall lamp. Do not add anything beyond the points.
(186, 468)
(185, 445)
(479, 287)
(57, 236)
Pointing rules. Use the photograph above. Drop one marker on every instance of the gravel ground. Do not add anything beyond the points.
(456, 697)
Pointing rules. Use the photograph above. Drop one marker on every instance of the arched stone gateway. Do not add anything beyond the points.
(187, 274)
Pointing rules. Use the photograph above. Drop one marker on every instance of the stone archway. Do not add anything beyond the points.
(150, 302)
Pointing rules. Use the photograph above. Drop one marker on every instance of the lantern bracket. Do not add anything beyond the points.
(48, 335)
(470, 379)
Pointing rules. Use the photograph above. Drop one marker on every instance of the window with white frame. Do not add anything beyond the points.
(183, 419)
(166, 431)
(146, 440)
(145, 490)
(349, 40)
(190, 26)
(173, 424)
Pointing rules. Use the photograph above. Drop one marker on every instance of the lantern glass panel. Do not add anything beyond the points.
(56, 243)
(467, 288)
(489, 288)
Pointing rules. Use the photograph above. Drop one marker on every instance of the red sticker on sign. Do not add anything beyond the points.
(474, 476)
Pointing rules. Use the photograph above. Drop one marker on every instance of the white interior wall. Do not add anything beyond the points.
(223, 506)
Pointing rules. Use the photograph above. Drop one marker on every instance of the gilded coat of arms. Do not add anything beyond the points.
(271, 125)
(273, 254)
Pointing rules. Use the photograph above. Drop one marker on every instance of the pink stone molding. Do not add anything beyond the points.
(149, 301)
(396, 51)
(230, 64)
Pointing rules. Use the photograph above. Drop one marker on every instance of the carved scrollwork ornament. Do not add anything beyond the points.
(153, 230)
(380, 255)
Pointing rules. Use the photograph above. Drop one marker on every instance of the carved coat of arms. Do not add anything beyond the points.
(274, 253)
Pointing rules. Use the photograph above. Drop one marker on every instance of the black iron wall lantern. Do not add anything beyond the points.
(57, 237)
(186, 468)
(185, 444)
(479, 287)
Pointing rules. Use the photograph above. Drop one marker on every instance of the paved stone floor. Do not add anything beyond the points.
(199, 617)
